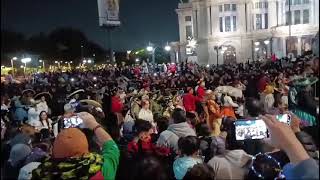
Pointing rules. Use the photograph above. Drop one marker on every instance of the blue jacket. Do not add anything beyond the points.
(307, 169)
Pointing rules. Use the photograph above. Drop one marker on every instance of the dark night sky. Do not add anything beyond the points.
(142, 20)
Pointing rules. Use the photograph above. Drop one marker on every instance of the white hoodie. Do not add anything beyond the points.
(231, 165)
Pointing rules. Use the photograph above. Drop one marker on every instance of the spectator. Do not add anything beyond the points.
(188, 150)
(180, 128)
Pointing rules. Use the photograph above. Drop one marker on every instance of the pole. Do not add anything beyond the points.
(217, 56)
(81, 52)
(25, 68)
(44, 69)
(12, 67)
(109, 29)
(153, 56)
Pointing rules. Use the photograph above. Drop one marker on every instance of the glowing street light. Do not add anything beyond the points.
(84, 61)
(13, 59)
(25, 61)
(89, 61)
(167, 48)
(224, 48)
(257, 43)
(208, 65)
(256, 49)
(137, 60)
(129, 51)
(266, 42)
(150, 48)
(42, 64)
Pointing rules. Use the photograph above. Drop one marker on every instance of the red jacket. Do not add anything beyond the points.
(201, 93)
(189, 102)
(116, 104)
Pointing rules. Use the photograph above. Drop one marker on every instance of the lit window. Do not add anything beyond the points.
(234, 21)
(258, 21)
(297, 17)
(227, 7)
(227, 24)
(187, 18)
(221, 24)
(306, 16)
(305, 1)
(296, 2)
(188, 31)
(288, 18)
(266, 20)
(234, 7)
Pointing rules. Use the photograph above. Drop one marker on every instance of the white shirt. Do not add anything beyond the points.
(45, 125)
(229, 102)
(146, 114)
(42, 106)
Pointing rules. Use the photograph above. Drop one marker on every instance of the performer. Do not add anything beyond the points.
(213, 113)
(227, 105)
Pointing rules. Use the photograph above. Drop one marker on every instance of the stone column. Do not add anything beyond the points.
(299, 45)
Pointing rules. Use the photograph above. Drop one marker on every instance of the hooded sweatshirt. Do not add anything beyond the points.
(232, 165)
(169, 138)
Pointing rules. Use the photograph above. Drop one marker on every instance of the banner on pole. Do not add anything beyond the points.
(108, 12)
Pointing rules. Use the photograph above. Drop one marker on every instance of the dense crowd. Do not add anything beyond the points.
(165, 121)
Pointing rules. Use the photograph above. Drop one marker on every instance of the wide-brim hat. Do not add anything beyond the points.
(28, 90)
(47, 95)
(75, 92)
(89, 102)
(305, 81)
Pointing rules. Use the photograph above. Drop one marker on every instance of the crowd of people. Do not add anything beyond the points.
(166, 121)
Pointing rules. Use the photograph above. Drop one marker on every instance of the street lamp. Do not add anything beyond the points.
(42, 64)
(151, 50)
(167, 47)
(89, 61)
(217, 48)
(25, 61)
(13, 59)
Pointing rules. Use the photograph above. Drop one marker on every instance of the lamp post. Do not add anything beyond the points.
(152, 50)
(25, 61)
(81, 52)
(217, 48)
(44, 69)
(13, 59)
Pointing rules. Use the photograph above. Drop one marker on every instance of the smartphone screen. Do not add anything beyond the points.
(250, 129)
(284, 118)
(72, 122)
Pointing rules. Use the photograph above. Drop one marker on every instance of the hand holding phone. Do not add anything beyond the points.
(72, 122)
(250, 129)
(284, 118)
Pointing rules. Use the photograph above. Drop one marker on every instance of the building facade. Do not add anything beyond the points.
(229, 31)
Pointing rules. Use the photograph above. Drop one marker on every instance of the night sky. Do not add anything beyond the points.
(142, 20)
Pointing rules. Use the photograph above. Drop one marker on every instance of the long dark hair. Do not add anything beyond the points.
(47, 121)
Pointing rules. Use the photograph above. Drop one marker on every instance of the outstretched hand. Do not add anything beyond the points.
(283, 137)
(88, 120)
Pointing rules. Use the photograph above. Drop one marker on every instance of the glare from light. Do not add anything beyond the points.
(84, 61)
(137, 60)
(137, 52)
(40, 60)
(266, 42)
(56, 62)
(129, 51)
(89, 61)
(149, 48)
(256, 49)
(2, 67)
(94, 78)
(72, 79)
(66, 62)
(208, 65)
(61, 61)
(173, 63)
(222, 52)
(257, 43)
(26, 60)
(224, 48)
(192, 43)
(70, 61)
(21, 66)
(167, 48)
(14, 58)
